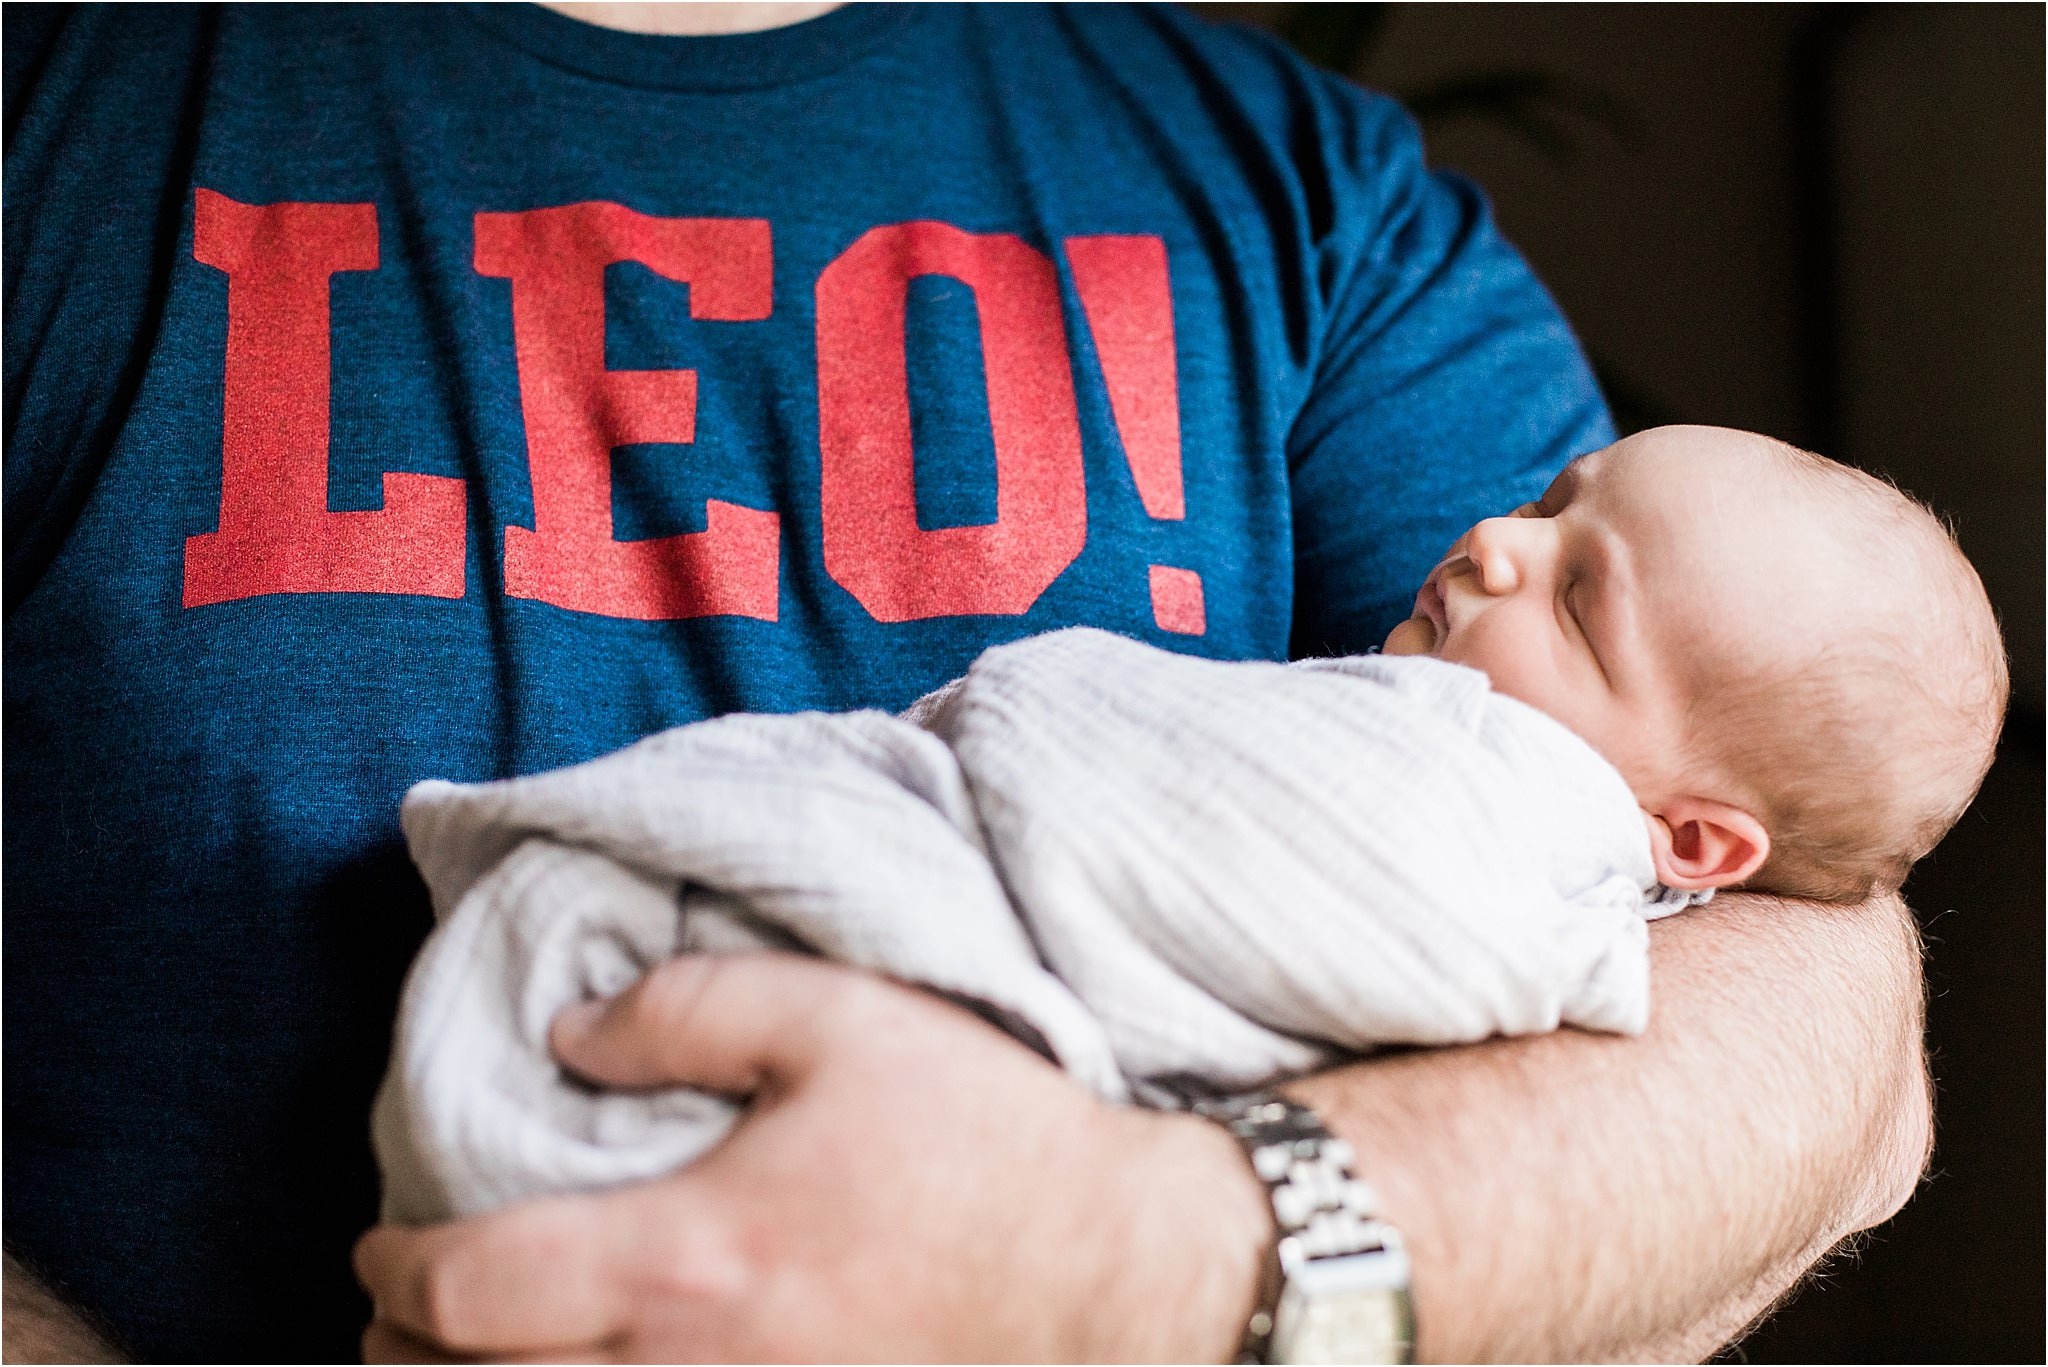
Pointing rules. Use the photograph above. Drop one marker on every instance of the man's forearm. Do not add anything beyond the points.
(40, 1327)
(1583, 1197)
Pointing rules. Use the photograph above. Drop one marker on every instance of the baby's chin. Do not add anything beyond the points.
(1416, 636)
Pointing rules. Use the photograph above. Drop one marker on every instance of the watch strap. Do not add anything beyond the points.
(1329, 1236)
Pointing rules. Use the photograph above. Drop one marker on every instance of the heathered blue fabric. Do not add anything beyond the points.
(208, 909)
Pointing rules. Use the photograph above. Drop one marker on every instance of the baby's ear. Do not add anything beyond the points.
(1697, 843)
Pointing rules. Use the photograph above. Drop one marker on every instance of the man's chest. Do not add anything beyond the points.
(602, 411)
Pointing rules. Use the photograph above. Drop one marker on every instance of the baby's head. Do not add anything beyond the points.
(1790, 662)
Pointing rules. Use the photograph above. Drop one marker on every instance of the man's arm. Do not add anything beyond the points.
(40, 1327)
(1577, 1197)
(910, 1184)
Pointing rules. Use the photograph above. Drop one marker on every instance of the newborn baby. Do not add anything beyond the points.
(1789, 661)
(1702, 659)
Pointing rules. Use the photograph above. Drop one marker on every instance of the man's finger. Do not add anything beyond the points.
(733, 1023)
(535, 1276)
(385, 1342)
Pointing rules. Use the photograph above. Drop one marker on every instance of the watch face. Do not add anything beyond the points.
(1366, 1325)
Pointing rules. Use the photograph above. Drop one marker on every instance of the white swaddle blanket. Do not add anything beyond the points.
(1145, 864)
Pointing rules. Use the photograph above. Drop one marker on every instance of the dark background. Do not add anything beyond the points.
(1823, 222)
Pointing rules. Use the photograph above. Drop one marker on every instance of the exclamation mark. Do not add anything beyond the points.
(1128, 301)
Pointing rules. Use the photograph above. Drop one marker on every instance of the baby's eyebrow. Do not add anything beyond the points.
(1566, 482)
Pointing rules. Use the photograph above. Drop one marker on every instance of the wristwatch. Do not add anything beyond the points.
(1335, 1288)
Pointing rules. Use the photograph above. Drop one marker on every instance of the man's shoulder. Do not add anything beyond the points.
(1235, 68)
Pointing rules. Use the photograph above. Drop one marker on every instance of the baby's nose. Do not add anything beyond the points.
(1496, 549)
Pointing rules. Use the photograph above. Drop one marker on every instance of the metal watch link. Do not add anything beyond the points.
(1336, 1286)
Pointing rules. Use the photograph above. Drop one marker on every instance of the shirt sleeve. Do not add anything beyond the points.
(1446, 387)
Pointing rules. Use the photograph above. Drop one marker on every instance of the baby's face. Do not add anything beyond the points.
(1601, 603)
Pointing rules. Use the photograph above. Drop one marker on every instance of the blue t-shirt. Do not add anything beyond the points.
(460, 392)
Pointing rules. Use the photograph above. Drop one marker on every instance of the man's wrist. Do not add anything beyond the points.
(1212, 1232)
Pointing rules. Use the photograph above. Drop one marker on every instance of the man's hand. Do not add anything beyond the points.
(911, 1185)
(908, 1184)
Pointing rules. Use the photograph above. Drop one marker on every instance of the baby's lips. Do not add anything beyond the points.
(1429, 604)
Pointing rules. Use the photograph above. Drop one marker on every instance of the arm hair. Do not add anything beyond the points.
(1577, 1197)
